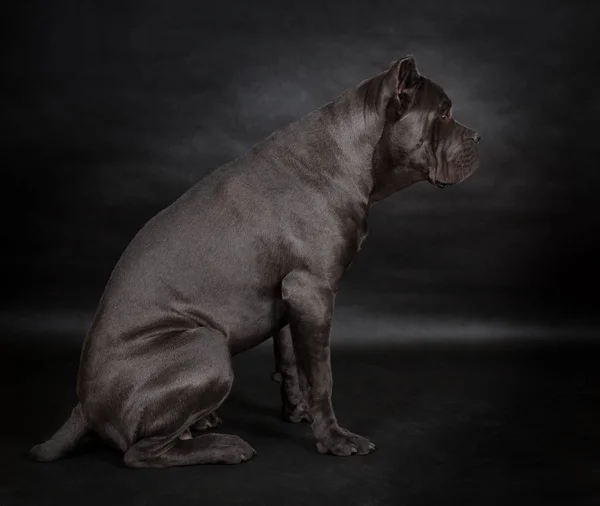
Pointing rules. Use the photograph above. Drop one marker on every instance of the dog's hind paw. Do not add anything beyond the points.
(210, 421)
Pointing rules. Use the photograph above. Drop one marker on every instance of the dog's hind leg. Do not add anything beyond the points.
(192, 376)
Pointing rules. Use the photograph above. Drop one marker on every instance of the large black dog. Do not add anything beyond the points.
(255, 249)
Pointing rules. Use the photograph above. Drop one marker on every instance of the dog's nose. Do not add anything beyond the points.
(475, 137)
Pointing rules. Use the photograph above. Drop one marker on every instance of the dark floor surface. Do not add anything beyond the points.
(459, 425)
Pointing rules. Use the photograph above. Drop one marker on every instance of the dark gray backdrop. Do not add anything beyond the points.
(114, 108)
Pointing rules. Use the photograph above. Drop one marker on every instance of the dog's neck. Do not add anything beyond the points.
(335, 148)
(351, 126)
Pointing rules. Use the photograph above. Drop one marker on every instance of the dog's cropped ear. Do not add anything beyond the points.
(400, 79)
(407, 74)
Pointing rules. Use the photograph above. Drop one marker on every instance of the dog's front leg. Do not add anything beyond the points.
(310, 300)
(294, 391)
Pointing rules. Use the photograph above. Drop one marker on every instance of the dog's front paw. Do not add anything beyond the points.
(339, 441)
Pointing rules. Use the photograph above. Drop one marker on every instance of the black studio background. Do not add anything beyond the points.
(113, 109)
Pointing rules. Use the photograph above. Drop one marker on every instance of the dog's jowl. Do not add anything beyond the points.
(255, 250)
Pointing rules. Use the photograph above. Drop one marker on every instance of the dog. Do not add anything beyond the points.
(256, 249)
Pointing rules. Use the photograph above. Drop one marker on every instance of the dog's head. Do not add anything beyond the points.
(421, 139)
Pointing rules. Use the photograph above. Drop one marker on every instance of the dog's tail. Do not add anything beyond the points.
(64, 440)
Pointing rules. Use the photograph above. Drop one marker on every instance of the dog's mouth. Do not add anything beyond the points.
(440, 184)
